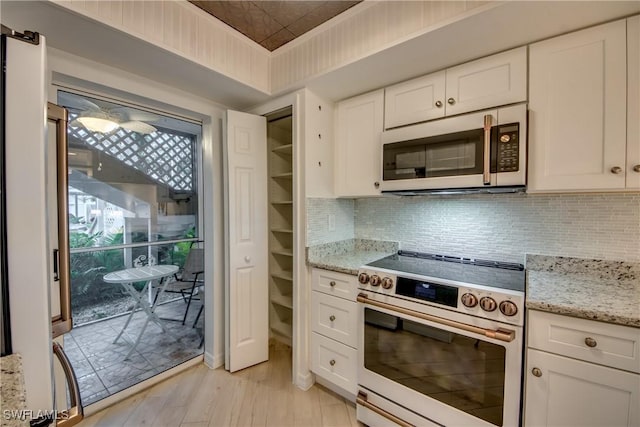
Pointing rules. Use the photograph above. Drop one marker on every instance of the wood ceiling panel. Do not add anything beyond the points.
(274, 23)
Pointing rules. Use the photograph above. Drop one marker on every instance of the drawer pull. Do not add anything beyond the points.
(590, 342)
(536, 372)
(332, 283)
(332, 318)
(332, 362)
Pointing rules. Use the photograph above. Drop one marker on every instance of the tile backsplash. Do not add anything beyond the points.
(329, 220)
(500, 227)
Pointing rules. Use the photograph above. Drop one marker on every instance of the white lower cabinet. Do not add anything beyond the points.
(581, 373)
(566, 392)
(335, 362)
(334, 328)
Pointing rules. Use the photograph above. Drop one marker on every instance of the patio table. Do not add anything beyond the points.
(147, 274)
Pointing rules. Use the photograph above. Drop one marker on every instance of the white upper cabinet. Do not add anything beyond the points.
(358, 145)
(633, 111)
(578, 110)
(414, 101)
(488, 82)
(485, 83)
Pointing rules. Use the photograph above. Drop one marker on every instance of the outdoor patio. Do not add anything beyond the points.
(99, 363)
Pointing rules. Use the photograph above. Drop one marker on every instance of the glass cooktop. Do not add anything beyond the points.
(466, 270)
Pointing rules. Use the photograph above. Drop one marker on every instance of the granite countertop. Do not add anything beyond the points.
(347, 256)
(607, 291)
(12, 393)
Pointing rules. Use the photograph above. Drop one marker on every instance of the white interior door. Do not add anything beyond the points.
(246, 284)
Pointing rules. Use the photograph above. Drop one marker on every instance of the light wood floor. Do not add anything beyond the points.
(258, 396)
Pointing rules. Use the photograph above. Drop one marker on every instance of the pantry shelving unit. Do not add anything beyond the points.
(281, 235)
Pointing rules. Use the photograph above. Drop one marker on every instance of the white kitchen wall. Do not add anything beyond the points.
(500, 227)
(329, 220)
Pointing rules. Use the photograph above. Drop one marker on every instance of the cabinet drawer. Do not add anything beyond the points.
(333, 283)
(335, 362)
(335, 318)
(603, 343)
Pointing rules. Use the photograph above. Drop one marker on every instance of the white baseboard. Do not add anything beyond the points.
(305, 381)
(212, 361)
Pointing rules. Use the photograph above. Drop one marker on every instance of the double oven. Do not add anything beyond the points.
(441, 341)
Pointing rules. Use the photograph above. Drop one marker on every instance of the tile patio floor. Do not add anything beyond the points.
(99, 363)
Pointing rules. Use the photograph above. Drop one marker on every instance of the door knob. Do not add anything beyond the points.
(616, 170)
(451, 101)
(247, 258)
(536, 372)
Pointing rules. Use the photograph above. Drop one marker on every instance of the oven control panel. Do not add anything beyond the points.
(481, 301)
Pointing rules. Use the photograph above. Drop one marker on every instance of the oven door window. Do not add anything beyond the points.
(459, 371)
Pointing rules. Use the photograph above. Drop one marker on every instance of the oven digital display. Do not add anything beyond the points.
(427, 291)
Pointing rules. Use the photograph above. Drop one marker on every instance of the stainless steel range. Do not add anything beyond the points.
(441, 341)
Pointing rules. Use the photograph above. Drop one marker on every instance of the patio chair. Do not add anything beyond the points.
(189, 279)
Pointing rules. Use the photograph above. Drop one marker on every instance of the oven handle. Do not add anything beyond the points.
(505, 335)
(362, 401)
(486, 176)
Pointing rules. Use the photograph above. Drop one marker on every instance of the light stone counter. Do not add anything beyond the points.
(346, 256)
(12, 393)
(607, 291)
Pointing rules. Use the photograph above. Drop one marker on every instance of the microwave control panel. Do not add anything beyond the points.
(508, 155)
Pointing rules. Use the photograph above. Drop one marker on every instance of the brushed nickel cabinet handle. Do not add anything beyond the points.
(616, 170)
(636, 168)
(332, 362)
(536, 372)
(376, 184)
(451, 101)
(438, 104)
(332, 283)
(332, 318)
(590, 342)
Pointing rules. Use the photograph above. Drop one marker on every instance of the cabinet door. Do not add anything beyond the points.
(414, 101)
(577, 110)
(488, 82)
(357, 149)
(633, 109)
(569, 392)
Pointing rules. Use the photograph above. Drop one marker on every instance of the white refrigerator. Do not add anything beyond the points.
(35, 245)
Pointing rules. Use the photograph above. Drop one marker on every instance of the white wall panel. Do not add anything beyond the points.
(365, 31)
(184, 29)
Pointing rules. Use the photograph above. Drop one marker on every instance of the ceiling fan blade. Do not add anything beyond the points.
(138, 127)
(76, 102)
(131, 114)
(75, 124)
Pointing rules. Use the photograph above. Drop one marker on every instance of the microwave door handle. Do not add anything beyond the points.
(486, 175)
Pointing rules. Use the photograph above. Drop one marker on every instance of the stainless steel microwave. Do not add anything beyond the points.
(482, 151)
